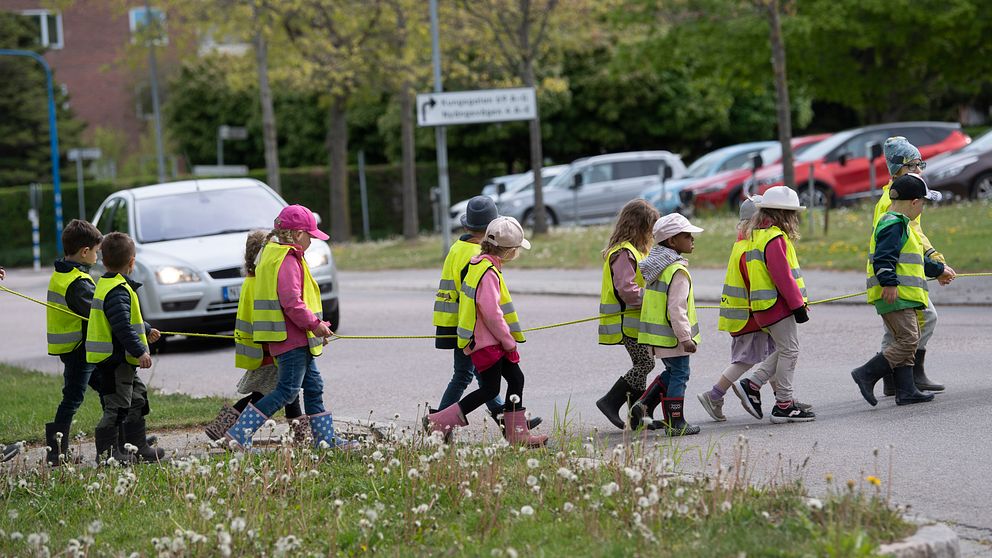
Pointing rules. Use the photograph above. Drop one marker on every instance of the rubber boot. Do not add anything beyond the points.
(888, 385)
(240, 434)
(868, 374)
(610, 404)
(300, 428)
(135, 435)
(906, 392)
(675, 424)
(322, 427)
(647, 403)
(532, 422)
(57, 442)
(517, 431)
(920, 376)
(445, 420)
(106, 446)
(225, 419)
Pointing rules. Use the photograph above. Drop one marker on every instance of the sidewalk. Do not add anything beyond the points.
(707, 283)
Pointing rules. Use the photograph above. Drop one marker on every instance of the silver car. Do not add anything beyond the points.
(190, 240)
(503, 187)
(592, 190)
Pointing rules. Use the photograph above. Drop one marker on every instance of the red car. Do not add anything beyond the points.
(840, 163)
(724, 189)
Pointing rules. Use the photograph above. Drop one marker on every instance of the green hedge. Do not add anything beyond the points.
(307, 186)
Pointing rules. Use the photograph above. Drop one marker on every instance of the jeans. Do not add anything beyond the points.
(77, 375)
(296, 369)
(460, 379)
(675, 376)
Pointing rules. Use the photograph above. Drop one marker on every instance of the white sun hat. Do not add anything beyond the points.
(780, 197)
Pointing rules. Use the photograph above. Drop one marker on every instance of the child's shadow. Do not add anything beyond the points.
(182, 344)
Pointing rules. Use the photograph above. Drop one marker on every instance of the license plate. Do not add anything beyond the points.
(231, 294)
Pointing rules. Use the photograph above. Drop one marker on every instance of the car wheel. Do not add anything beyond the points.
(982, 188)
(530, 218)
(335, 319)
(821, 197)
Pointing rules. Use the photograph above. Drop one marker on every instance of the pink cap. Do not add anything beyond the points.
(299, 218)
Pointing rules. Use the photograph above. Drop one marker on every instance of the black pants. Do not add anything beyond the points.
(293, 410)
(489, 381)
(122, 394)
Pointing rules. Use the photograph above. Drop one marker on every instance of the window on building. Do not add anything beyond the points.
(140, 18)
(48, 25)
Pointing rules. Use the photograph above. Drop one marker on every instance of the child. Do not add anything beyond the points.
(621, 291)
(902, 157)
(749, 344)
(261, 374)
(117, 340)
(668, 321)
(286, 316)
(897, 285)
(481, 210)
(777, 295)
(488, 331)
(70, 290)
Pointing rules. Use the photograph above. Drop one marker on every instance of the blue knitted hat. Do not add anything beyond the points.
(898, 151)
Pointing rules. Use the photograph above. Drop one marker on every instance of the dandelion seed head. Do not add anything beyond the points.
(527, 511)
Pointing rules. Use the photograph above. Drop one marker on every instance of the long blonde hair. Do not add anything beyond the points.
(785, 219)
(634, 224)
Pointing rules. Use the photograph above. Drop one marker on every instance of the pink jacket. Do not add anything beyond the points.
(624, 269)
(490, 327)
(299, 318)
(789, 296)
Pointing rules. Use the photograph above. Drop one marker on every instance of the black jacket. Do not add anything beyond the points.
(79, 295)
(117, 307)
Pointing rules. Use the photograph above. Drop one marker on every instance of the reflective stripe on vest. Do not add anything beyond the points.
(247, 353)
(446, 299)
(99, 336)
(909, 269)
(466, 305)
(656, 325)
(763, 293)
(735, 299)
(613, 328)
(268, 321)
(64, 327)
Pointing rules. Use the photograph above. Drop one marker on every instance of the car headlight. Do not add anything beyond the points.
(317, 259)
(170, 275)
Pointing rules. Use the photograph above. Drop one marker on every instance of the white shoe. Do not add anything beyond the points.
(713, 408)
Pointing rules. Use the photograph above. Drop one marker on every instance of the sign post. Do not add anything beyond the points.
(35, 195)
(476, 107)
(79, 155)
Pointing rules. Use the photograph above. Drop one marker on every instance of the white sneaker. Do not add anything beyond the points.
(713, 408)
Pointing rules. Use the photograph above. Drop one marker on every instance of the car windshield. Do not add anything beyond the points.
(704, 166)
(772, 154)
(205, 213)
(983, 143)
(821, 149)
(562, 179)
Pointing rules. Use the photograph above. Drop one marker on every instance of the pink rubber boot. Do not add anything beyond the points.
(517, 431)
(445, 420)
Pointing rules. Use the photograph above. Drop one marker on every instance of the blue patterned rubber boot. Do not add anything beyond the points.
(250, 420)
(322, 426)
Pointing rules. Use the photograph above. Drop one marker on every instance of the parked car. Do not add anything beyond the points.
(965, 173)
(509, 185)
(725, 189)
(840, 162)
(190, 241)
(722, 160)
(593, 189)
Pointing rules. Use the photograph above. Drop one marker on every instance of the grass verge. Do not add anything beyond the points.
(29, 400)
(957, 230)
(416, 496)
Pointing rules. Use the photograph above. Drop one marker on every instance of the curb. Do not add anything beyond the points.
(930, 541)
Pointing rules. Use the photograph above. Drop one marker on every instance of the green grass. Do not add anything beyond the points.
(958, 230)
(28, 400)
(415, 496)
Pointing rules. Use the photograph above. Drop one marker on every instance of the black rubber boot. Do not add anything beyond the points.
(610, 404)
(906, 392)
(532, 422)
(920, 376)
(647, 403)
(134, 434)
(675, 424)
(106, 446)
(888, 385)
(57, 445)
(868, 374)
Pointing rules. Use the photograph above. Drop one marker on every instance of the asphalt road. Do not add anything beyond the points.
(941, 453)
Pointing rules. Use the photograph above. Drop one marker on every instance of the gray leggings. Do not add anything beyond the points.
(643, 364)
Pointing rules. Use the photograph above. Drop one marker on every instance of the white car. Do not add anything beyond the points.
(505, 186)
(190, 240)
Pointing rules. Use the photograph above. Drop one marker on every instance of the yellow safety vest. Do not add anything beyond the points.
(656, 325)
(268, 321)
(909, 269)
(466, 304)
(446, 300)
(763, 293)
(65, 328)
(734, 301)
(99, 336)
(613, 328)
(247, 353)
(882, 207)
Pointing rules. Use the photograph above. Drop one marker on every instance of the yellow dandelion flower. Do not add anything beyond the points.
(873, 480)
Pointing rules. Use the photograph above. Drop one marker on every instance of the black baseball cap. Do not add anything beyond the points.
(912, 187)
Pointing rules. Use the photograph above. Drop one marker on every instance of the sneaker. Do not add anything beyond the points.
(803, 406)
(792, 413)
(750, 398)
(714, 408)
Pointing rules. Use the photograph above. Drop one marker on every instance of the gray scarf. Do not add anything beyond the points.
(658, 259)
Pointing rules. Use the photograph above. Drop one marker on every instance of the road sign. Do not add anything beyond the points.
(84, 154)
(232, 132)
(220, 170)
(475, 107)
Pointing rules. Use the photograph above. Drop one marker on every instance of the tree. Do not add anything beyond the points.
(260, 17)
(783, 109)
